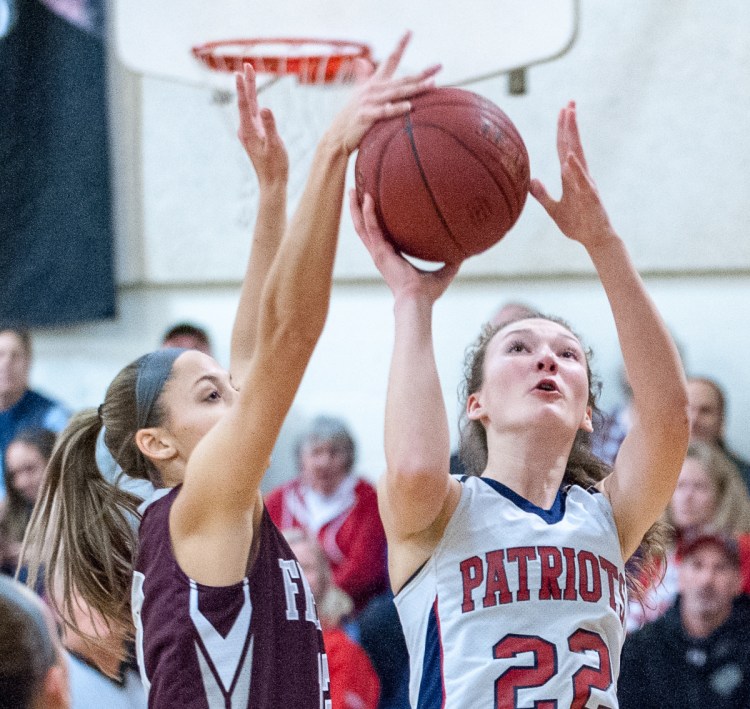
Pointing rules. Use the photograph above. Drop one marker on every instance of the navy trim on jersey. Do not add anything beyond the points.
(551, 516)
(431, 694)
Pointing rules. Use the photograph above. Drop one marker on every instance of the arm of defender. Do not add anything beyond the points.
(648, 464)
(223, 474)
(264, 147)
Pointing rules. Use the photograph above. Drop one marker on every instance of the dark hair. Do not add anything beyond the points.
(23, 334)
(80, 532)
(325, 429)
(584, 468)
(188, 329)
(17, 509)
(27, 650)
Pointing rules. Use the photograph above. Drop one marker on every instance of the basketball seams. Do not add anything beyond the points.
(510, 204)
(438, 211)
(498, 120)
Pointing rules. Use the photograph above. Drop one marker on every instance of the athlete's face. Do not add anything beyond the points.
(709, 582)
(195, 397)
(693, 502)
(535, 372)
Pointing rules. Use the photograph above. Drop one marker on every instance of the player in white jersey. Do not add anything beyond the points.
(510, 583)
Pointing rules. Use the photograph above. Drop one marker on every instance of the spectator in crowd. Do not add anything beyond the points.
(25, 461)
(707, 411)
(611, 428)
(188, 336)
(709, 494)
(101, 668)
(354, 683)
(382, 637)
(337, 508)
(33, 669)
(21, 407)
(698, 655)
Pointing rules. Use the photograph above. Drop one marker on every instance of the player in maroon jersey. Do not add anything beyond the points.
(223, 614)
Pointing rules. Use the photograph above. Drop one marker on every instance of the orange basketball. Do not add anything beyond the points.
(449, 178)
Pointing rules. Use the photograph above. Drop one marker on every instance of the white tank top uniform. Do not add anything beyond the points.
(518, 606)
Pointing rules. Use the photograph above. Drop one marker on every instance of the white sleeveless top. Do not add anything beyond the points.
(518, 606)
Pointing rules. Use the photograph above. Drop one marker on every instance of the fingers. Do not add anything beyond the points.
(388, 68)
(539, 193)
(356, 211)
(247, 96)
(269, 123)
(362, 69)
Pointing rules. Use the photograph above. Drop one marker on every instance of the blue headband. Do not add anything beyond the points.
(153, 371)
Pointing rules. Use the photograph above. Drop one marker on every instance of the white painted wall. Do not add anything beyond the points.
(664, 97)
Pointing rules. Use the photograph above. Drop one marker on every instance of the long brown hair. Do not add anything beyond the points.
(81, 535)
(584, 468)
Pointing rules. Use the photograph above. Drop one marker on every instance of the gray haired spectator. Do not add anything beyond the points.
(336, 507)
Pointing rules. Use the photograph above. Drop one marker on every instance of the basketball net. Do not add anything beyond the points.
(304, 83)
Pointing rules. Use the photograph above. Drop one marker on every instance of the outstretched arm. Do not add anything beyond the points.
(417, 494)
(264, 147)
(645, 472)
(225, 469)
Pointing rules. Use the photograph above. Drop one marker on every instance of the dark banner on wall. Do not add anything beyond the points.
(56, 260)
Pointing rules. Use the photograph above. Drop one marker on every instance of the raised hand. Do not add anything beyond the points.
(379, 96)
(402, 278)
(258, 134)
(579, 213)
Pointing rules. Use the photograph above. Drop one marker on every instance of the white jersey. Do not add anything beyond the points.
(518, 606)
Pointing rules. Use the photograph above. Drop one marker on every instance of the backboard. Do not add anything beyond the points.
(472, 39)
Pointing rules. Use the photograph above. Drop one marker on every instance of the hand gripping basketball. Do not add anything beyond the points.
(379, 96)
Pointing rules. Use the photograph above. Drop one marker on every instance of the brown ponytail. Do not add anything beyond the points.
(81, 537)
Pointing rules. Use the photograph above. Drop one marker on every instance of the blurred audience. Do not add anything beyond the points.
(707, 411)
(33, 667)
(101, 669)
(337, 508)
(187, 336)
(709, 495)
(354, 683)
(26, 459)
(698, 655)
(382, 637)
(21, 407)
(611, 428)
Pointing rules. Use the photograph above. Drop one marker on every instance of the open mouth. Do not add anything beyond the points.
(547, 385)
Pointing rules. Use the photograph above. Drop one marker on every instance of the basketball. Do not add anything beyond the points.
(449, 178)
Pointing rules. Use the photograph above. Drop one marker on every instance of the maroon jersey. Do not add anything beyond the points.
(254, 645)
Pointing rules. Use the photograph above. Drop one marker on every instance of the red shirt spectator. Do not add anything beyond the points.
(337, 508)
